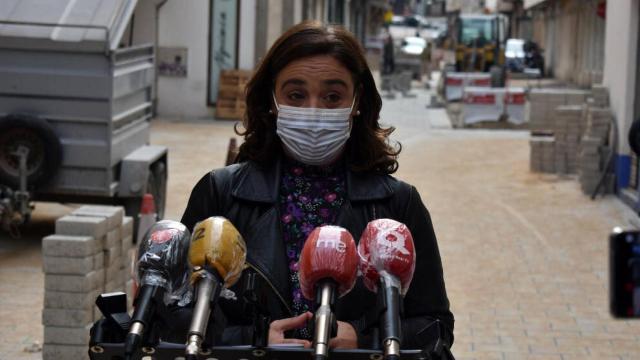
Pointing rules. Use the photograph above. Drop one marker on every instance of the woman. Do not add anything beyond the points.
(314, 154)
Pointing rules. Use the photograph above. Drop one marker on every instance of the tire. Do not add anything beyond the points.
(45, 150)
(156, 186)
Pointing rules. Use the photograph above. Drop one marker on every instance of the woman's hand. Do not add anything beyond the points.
(346, 338)
(278, 327)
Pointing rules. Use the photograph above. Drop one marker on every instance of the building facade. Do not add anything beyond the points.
(597, 41)
(572, 35)
(200, 38)
(622, 78)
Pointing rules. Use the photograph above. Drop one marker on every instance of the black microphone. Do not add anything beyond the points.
(161, 269)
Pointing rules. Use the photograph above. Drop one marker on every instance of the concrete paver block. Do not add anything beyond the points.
(127, 226)
(113, 255)
(127, 268)
(113, 214)
(127, 243)
(114, 238)
(82, 225)
(98, 261)
(97, 314)
(114, 285)
(70, 300)
(74, 283)
(113, 272)
(67, 335)
(57, 352)
(69, 265)
(69, 245)
(66, 317)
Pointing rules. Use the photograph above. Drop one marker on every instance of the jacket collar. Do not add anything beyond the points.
(262, 185)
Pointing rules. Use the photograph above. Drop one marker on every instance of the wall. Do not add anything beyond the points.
(185, 24)
(274, 21)
(247, 37)
(620, 66)
(145, 22)
(572, 36)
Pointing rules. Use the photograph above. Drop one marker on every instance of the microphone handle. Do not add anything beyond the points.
(207, 294)
(146, 304)
(391, 329)
(324, 321)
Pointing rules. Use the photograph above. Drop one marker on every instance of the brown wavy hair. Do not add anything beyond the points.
(368, 147)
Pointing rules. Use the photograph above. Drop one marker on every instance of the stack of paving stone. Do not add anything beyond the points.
(569, 126)
(599, 96)
(82, 260)
(594, 151)
(542, 103)
(118, 247)
(542, 153)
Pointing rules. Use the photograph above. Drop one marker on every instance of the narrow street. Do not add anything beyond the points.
(525, 255)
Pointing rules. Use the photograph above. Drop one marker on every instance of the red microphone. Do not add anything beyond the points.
(328, 268)
(388, 260)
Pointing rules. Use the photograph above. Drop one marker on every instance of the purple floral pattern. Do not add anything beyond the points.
(310, 196)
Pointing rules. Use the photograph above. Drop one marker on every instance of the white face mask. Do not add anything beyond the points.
(313, 136)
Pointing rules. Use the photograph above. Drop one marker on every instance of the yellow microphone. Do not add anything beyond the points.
(217, 257)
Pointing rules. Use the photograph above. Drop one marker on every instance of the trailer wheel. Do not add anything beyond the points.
(45, 150)
(156, 186)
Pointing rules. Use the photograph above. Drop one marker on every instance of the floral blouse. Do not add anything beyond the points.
(310, 196)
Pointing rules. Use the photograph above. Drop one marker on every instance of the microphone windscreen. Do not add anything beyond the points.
(328, 253)
(386, 245)
(162, 255)
(217, 244)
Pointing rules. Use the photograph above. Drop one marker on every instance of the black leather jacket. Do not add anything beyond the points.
(247, 195)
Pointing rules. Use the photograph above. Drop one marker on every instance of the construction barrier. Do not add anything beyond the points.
(482, 104)
(489, 104)
(514, 101)
(455, 82)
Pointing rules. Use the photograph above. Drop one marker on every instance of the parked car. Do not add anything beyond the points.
(413, 45)
(409, 56)
(524, 56)
(514, 55)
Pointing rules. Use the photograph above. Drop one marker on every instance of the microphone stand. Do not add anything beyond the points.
(208, 291)
(390, 316)
(152, 299)
(325, 325)
(255, 305)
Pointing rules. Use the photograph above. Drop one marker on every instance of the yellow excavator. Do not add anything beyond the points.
(479, 42)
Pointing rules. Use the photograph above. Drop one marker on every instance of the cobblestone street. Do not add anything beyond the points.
(525, 255)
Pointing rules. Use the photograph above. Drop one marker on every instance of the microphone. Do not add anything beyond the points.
(388, 260)
(328, 267)
(217, 256)
(161, 270)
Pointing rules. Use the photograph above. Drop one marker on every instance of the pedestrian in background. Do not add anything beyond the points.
(425, 58)
(388, 56)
